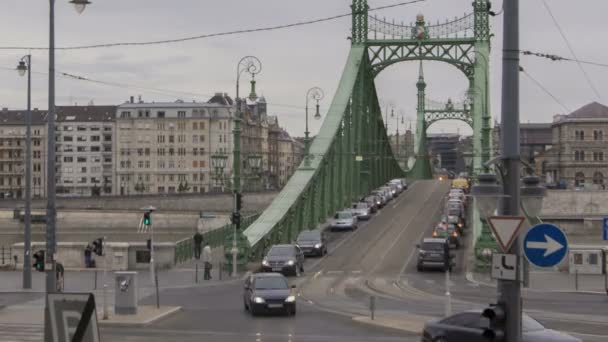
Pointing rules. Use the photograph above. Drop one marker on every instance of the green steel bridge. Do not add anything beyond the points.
(351, 154)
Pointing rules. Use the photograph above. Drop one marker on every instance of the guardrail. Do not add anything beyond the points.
(184, 249)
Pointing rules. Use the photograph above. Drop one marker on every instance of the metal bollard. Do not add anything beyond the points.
(576, 280)
(95, 279)
(372, 306)
(196, 274)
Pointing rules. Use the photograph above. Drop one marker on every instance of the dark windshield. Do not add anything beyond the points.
(344, 215)
(453, 212)
(275, 251)
(270, 283)
(309, 236)
(432, 246)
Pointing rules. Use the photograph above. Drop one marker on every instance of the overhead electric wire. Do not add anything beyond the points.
(210, 35)
(557, 58)
(538, 84)
(561, 32)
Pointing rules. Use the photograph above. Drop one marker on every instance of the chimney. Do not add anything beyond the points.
(132, 99)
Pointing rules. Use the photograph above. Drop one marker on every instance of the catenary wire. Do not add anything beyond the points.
(220, 34)
(544, 89)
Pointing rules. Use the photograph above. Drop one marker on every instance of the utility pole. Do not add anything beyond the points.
(509, 291)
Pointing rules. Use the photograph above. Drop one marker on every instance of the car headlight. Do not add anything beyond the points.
(259, 300)
(317, 246)
(265, 262)
(290, 299)
(290, 263)
(422, 253)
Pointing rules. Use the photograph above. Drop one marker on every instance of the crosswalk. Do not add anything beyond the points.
(21, 332)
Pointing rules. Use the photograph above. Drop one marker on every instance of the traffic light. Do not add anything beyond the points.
(39, 261)
(495, 313)
(236, 219)
(239, 201)
(147, 218)
(98, 246)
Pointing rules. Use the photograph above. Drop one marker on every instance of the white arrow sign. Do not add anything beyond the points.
(549, 245)
(505, 229)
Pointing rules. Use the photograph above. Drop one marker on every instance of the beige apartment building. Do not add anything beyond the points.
(166, 147)
(12, 153)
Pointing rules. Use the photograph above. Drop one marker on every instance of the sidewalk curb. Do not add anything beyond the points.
(407, 323)
(168, 312)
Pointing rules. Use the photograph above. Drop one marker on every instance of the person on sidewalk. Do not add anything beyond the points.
(207, 261)
(198, 240)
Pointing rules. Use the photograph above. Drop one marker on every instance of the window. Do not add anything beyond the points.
(160, 114)
(181, 114)
(95, 148)
(147, 151)
(194, 151)
(202, 138)
(598, 135)
(143, 256)
(68, 159)
(81, 138)
(160, 139)
(194, 164)
(171, 151)
(140, 164)
(579, 155)
(68, 128)
(160, 126)
(171, 139)
(125, 114)
(579, 179)
(81, 128)
(194, 125)
(68, 138)
(195, 139)
(95, 138)
(107, 137)
(579, 135)
(202, 163)
(598, 178)
(161, 152)
(202, 125)
(81, 149)
(147, 164)
(598, 156)
(181, 138)
(140, 152)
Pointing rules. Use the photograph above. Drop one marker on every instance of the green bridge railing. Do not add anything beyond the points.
(184, 249)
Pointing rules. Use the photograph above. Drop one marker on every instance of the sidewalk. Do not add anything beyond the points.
(554, 281)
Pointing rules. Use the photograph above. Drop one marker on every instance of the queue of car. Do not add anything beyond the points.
(435, 252)
(269, 291)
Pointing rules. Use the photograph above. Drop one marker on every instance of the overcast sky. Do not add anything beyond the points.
(293, 59)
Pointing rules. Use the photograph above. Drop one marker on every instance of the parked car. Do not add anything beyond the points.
(285, 259)
(345, 219)
(470, 325)
(312, 242)
(394, 189)
(267, 292)
(434, 253)
(361, 210)
(373, 202)
(382, 196)
(388, 191)
(398, 183)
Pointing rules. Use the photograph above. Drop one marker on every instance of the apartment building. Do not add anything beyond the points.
(85, 154)
(12, 153)
(166, 147)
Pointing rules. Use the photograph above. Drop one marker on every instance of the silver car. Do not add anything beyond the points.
(388, 191)
(361, 210)
(345, 219)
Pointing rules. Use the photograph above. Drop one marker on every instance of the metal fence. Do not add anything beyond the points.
(184, 249)
(5, 255)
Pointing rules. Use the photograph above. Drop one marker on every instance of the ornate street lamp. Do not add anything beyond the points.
(487, 194)
(531, 196)
(218, 162)
(317, 94)
(80, 5)
(24, 67)
(255, 162)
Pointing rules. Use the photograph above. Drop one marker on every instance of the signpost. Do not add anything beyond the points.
(545, 245)
(72, 317)
(505, 229)
(605, 229)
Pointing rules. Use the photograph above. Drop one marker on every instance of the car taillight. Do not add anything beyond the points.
(454, 234)
(435, 233)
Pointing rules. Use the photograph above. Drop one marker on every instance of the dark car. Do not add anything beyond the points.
(268, 292)
(312, 242)
(434, 253)
(448, 231)
(373, 202)
(469, 326)
(285, 259)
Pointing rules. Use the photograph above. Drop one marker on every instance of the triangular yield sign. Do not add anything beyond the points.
(505, 229)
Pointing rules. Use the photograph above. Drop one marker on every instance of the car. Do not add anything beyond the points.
(312, 242)
(457, 221)
(373, 202)
(449, 232)
(388, 191)
(398, 183)
(393, 188)
(342, 220)
(470, 325)
(361, 210)
(268, 292)
(382, 196)
(434, 253)
(285, 259)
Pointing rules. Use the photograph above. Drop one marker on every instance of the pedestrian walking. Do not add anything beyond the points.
(207, 260)
(198, 240)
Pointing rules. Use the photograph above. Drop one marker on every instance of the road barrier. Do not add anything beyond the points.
(184, 249)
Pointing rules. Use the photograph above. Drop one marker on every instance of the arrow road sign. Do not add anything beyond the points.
(505, 229)
(605, 229)
(545, 245)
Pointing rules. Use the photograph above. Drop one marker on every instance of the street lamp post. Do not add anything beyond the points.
(51, 210)
(218, 162)
(253, 66)
(317, 94)
(25, 65)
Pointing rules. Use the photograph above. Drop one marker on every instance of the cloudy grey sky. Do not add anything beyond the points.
(293, 59)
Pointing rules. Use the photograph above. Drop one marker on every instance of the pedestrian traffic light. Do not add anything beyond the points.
(496, 315)
(239, 201)
(147, 218)
(236, 219)
(39, 261)
(98, 246)
(149, 244)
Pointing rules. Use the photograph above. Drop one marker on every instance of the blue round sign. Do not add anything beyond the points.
(545, 245)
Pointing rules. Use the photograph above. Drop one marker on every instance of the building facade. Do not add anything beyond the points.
(579, 156)
(534, 138)
(12, 153)
(85, 150)
(167, 147)
(443, 147)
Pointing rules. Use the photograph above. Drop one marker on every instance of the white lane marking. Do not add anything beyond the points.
(356, 272)
(317, 274)
(334, 272)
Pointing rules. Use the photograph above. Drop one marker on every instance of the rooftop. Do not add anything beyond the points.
(85, 113)
(17, 117)
(594, 110)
